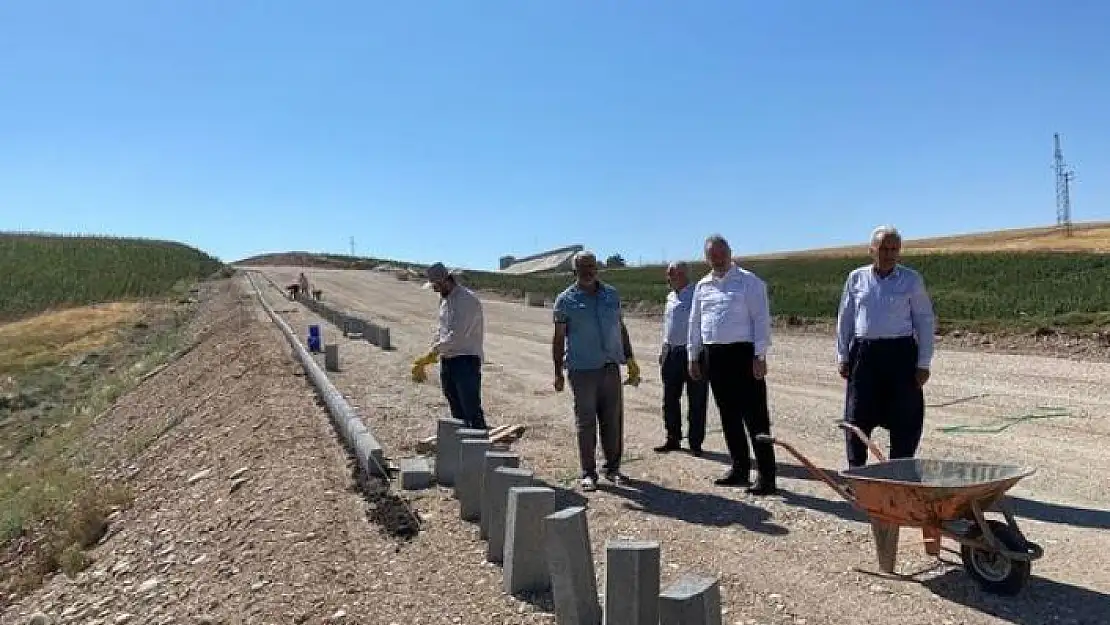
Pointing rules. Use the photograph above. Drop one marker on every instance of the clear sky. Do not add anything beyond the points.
(462, 131)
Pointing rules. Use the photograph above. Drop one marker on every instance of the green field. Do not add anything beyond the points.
(81, 320)
(969, 290)
(42, 272)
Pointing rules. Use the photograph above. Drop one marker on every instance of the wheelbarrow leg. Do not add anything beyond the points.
(886, 543)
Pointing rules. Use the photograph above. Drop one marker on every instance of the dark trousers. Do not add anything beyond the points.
(676, 375)
(598, 410)
(742, 401)
(461, 378)
(883, 392)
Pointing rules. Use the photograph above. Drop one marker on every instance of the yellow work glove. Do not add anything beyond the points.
(418, 373)
(633, 373)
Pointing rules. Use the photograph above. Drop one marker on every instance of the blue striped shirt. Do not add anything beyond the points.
(895, 306)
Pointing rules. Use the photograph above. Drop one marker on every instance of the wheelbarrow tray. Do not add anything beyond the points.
(925, 492)
(945, 498)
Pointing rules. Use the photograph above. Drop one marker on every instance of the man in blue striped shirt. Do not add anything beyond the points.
(884, 346)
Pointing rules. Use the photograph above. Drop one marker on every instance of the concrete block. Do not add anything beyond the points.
(691, 600)
(468, 483)
(331, 357)
(369, 454)
(533, 299)
(525, 557)
(493, 460)
(631, 582)
(571, 566)
(416, 473)
(496, 506)
(447, 450)
(370, 333)
(383, 339)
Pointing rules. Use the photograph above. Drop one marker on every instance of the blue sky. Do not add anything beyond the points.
(461, 131)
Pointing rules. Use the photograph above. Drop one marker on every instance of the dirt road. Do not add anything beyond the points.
(800, 557)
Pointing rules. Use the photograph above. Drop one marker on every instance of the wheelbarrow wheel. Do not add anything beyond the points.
(995, 572)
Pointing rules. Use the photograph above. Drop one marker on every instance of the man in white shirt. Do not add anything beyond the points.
(674, 370)
(730, 325)
(458, 346)
(884, 344)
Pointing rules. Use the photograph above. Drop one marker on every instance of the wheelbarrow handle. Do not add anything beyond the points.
(875, 451)
(819, 473)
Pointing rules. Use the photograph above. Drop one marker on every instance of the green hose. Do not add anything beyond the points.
(1004, 423)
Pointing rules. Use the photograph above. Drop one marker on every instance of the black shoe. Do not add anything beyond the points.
(696, 451)
(667, 447)
(733, 478)
(762, 487)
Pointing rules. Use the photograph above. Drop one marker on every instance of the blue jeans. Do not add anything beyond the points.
(461, 378)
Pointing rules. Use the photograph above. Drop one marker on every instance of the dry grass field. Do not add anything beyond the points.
(1085, 237)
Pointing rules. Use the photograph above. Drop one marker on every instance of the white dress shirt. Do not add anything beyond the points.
(676, 316)
(461, 324)
(731, 309)
(874, 307)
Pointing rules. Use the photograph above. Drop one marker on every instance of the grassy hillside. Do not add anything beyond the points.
(44, 271)
(968, 290)
(111, 323)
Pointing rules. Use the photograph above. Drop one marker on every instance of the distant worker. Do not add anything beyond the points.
(591, 341)
(730, 332)
(674, 370)
(884, 344)
(458, 346)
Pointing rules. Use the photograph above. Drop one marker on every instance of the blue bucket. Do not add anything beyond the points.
(314, 339)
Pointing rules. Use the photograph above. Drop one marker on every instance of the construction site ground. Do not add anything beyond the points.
(296, 543)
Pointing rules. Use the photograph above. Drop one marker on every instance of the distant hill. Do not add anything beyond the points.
(1086, 237)
(46, 271)
(322, 261)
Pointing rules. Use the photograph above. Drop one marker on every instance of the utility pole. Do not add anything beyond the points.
(1064, 177)
(352, 246)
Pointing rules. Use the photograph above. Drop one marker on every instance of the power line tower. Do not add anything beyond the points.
(1064, 177)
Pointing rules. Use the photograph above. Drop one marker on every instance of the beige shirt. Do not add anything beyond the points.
(461, 324)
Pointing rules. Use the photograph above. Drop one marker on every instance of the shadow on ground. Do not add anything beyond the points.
(697, 508)
(1042, 601)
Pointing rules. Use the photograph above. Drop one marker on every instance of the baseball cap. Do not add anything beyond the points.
(435, 273)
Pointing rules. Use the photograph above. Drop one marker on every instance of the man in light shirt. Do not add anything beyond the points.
(730, 324)
(458, 346)
(884, 345)
(591, 342)
(674, 370)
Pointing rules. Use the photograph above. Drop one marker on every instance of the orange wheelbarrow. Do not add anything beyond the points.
(945, 498)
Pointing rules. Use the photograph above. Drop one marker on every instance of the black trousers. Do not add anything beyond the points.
(676, 376)
(742, 401)
(883, 392)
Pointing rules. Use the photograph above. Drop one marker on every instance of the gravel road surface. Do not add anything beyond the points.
(803, 556)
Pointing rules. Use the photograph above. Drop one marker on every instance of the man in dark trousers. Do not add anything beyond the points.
(459, 347)
(674, 370)
(730, 322)
(884, 344)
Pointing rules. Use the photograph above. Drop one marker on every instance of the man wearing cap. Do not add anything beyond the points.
(884, 344)
(458, 346)
(591, 343)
